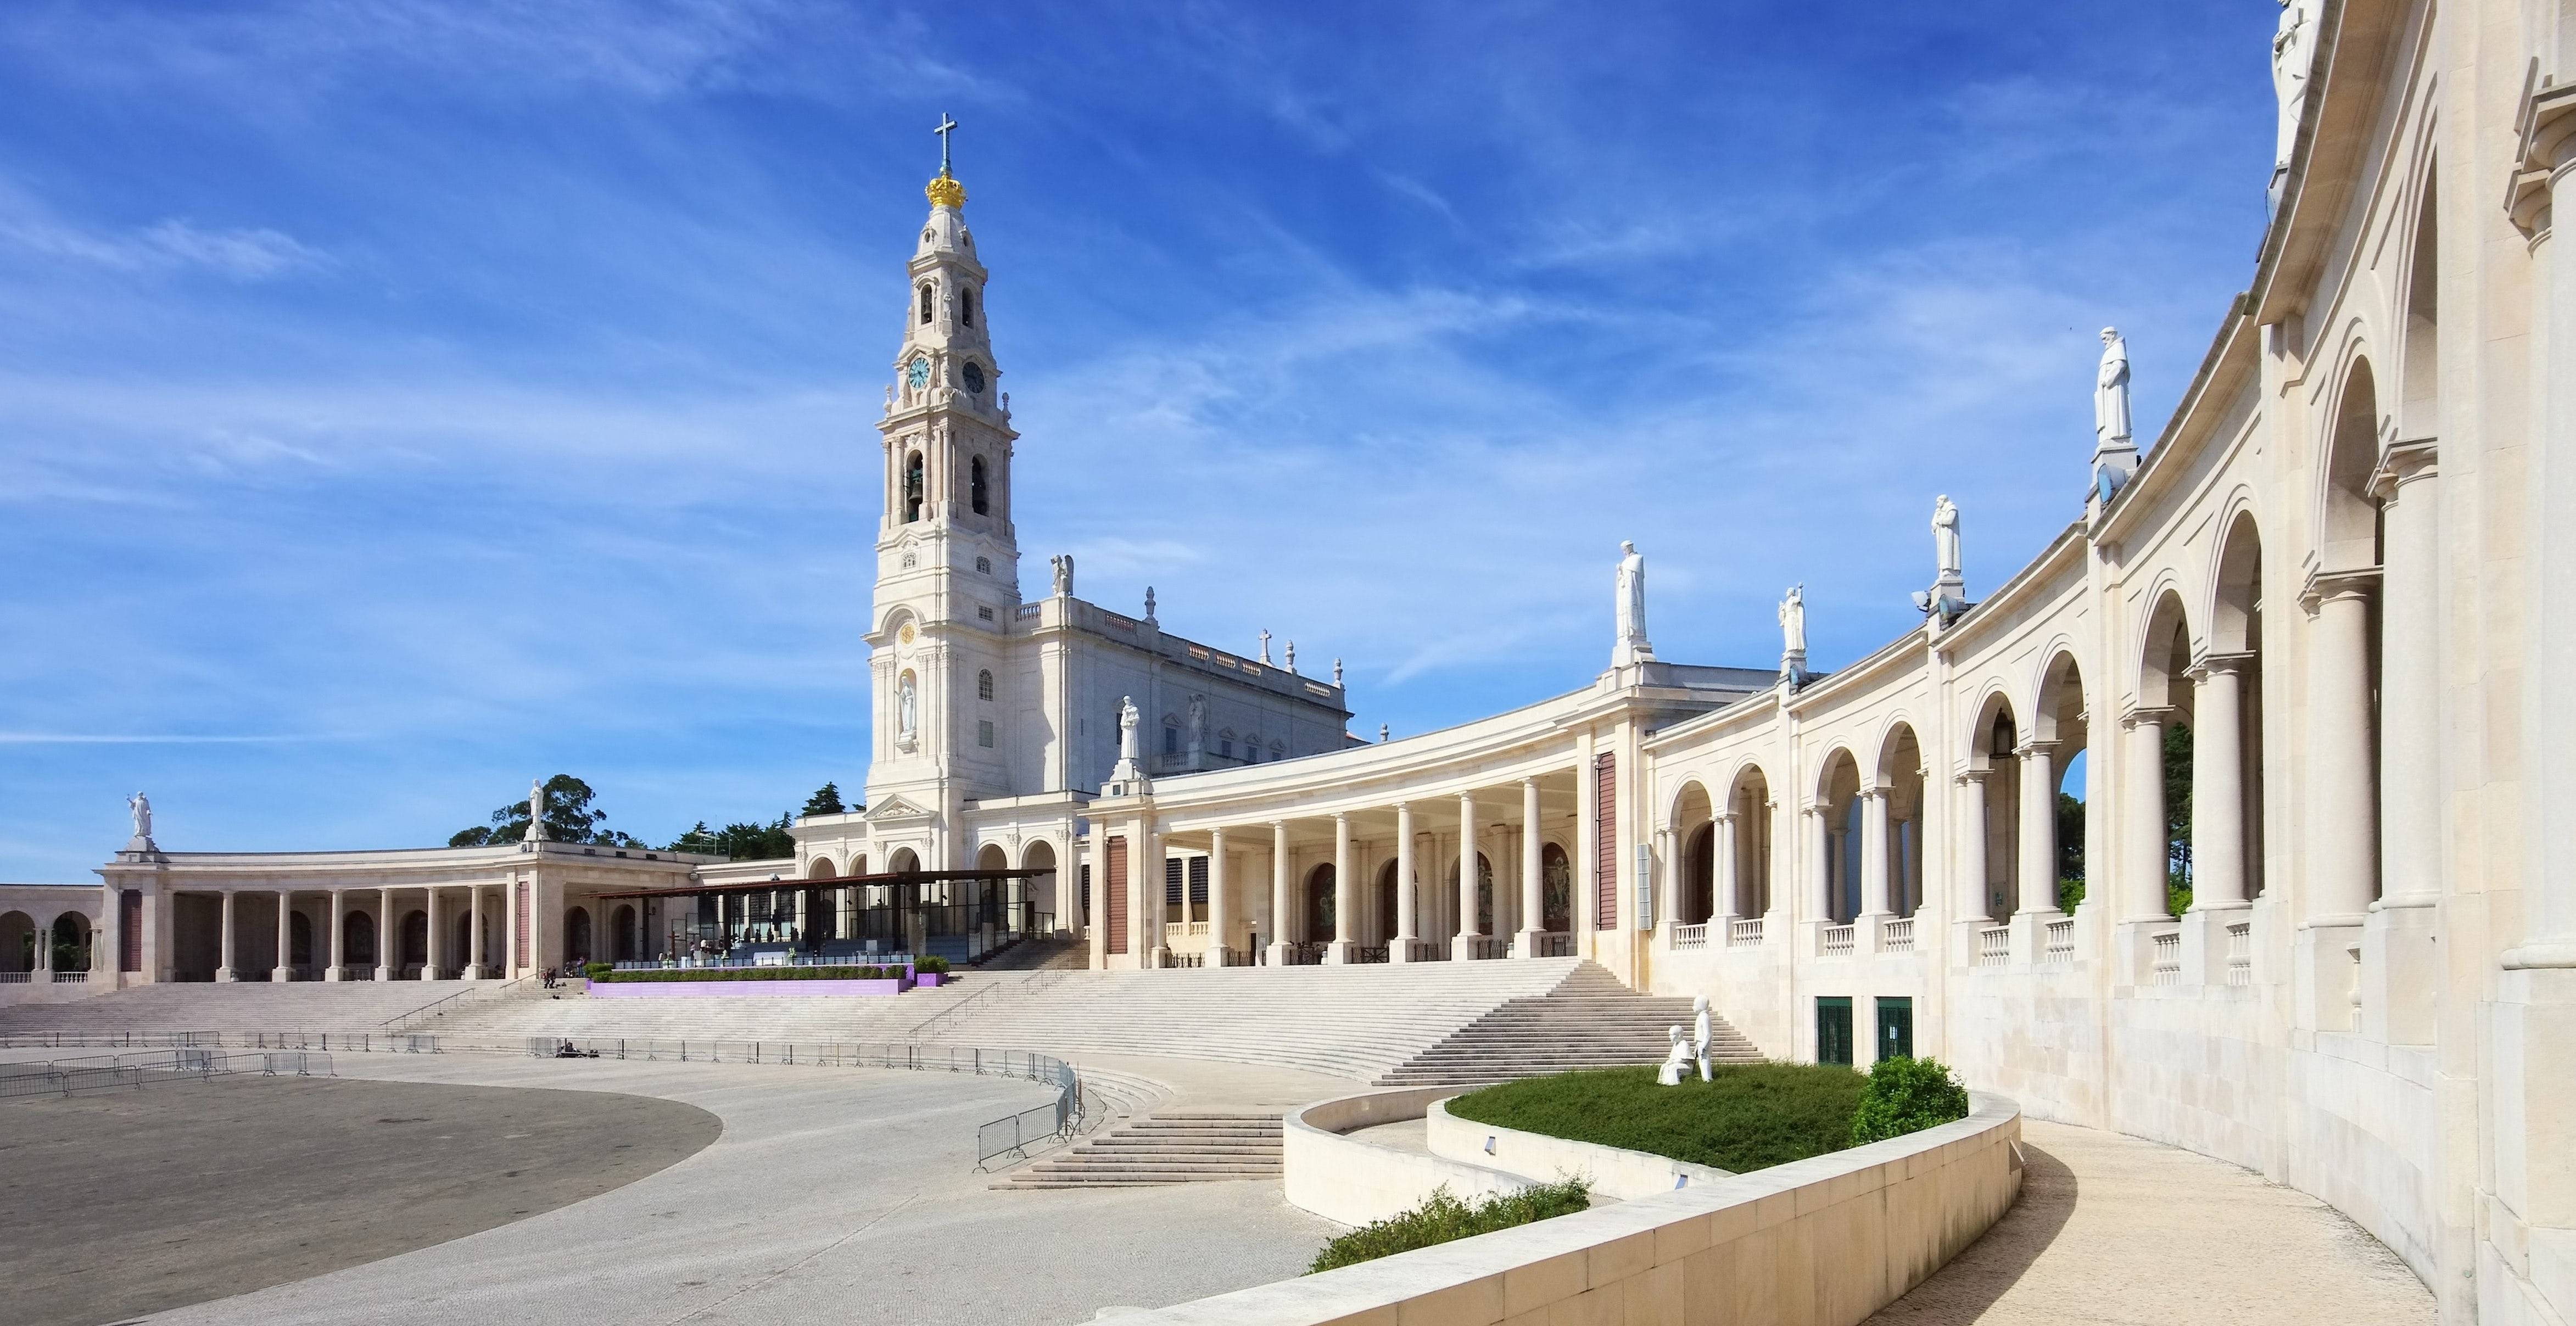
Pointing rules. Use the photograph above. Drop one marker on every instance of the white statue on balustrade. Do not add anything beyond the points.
(1793, 634)
(1062, 565)
(1632, 645)
(1699, 1035)
(2293, 53)
(1677, 1062)
(140, 806)
(536, 810)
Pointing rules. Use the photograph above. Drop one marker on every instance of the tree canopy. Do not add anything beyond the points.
(569, 819)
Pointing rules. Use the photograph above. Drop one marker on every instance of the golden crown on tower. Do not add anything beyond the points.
(945, 191)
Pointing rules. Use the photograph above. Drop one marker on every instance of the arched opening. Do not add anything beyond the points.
(2061, 720)
(1556, 889)
(17, 942)
(577, 946)
(1694, 827)
(2163, 687)
(358, 940)
(299, 940)
(621, 944)
(912, 487)
(1042, 913)
(929, 301)
(2236, 659)
(1838, 796)
(71, 942)
(1992, 819)
(1900, 783)
(1382, 904)
(1750, 802)
(415, 940)
(903, 862)
(1320, 904)
(2420, 413)
(822, 868)
(2344, 708)
(984, 684)
(976, 488)
(966, 306)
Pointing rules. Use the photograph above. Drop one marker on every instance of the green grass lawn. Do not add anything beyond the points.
(1751, 1117)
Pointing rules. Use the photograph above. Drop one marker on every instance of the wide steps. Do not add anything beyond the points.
(1588, 1021)
(1163, 1148)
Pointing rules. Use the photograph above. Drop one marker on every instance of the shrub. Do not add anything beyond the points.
(1747, 1117)
(1442, 1217)
(1905, 1096)
(597, 970)
(753, 974)
(936, 966)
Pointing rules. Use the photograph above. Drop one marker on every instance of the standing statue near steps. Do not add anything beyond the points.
(1677, 1062)
(1699, 1035)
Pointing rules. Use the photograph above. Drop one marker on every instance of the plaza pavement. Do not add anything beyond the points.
(833, 1195)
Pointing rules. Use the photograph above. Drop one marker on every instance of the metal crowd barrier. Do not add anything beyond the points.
(64, 1077)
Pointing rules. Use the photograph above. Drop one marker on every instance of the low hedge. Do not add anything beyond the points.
(754, 974)
(1907, 1096)
(1442, 1217)
(1748, 1117)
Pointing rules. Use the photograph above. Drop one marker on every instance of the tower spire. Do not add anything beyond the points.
(945, 191)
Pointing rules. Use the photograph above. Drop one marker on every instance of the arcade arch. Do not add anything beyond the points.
(1748, 804)
(1838, 828)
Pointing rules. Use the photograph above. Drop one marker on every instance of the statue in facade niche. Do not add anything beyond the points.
(2111, 392)
(907, 699)
(1945, 538)
(2293, 54)
(1198, 723)
(1632, 646)
(1676, 1061)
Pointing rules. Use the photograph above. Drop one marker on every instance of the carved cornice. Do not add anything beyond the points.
(2547, 149)
(2360, 582)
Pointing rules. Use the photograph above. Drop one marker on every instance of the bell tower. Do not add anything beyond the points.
(947, 556)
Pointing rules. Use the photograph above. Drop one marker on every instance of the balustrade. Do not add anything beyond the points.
(1745, 932)
(1897, 934)
(1690, 936)
(1837, 941)
(2240, 953)
(1994, 946)
(2061, 940)
(2166, 965)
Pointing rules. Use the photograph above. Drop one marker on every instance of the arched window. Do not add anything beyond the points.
(912, 488)
(966, 305)
(984, 684)
(927, 301)
(1172, 740)
(975, 485)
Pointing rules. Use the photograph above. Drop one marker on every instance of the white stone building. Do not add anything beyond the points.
(2347, 564)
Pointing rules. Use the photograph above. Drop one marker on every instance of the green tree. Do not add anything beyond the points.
(2177, 818)
(739, 842)
(825, 801)
(2070, 852)
(1906, 1096)
(569, 819)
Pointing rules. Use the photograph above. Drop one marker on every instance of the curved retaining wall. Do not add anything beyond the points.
(1357, 1182)
(1822, 1242)
(1614, 1171)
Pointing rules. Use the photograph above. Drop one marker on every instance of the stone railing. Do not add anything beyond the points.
(1828, 1240)
(1690, 936)
(1994, 946)
(1190, 929)
(1836, 940)
(1896, 934)
(1355, 1182)
(2240, 953)
(2061, 940)
(1744, 932)
(2165, 962)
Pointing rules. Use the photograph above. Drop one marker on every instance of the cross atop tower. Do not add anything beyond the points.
(946, 127)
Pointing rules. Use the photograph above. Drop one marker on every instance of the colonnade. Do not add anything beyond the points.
(439, 907)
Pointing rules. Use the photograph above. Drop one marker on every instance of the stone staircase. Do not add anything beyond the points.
(1164, 1147)
(1050, 954)
(344, 1006)
(1589, 1020)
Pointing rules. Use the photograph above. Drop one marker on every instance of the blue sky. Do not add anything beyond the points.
(401, 399)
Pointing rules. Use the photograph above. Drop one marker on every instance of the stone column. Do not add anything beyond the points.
(1873, 854)
(1346, 910)
(2142, 830)
(388, 938)
(1220, 915)
(339, 957)
(285, 936)
(1533, 900)
(107, 942)
(223, 963)
(433, 954)
(2400, 958)
(1408, 918)
(1463, 948)
(2218, 783)
(2548, 948)
(1837, 861)
(1726, 875)
(1820, 861)
(478, 968)
(2036, 904)
(2342, 810)
(1282, 907)
(1095, 858)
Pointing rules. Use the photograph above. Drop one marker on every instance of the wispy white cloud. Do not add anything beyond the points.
(252, 254)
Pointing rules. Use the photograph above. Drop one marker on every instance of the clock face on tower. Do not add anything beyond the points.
(917, 373)
(974, 376)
